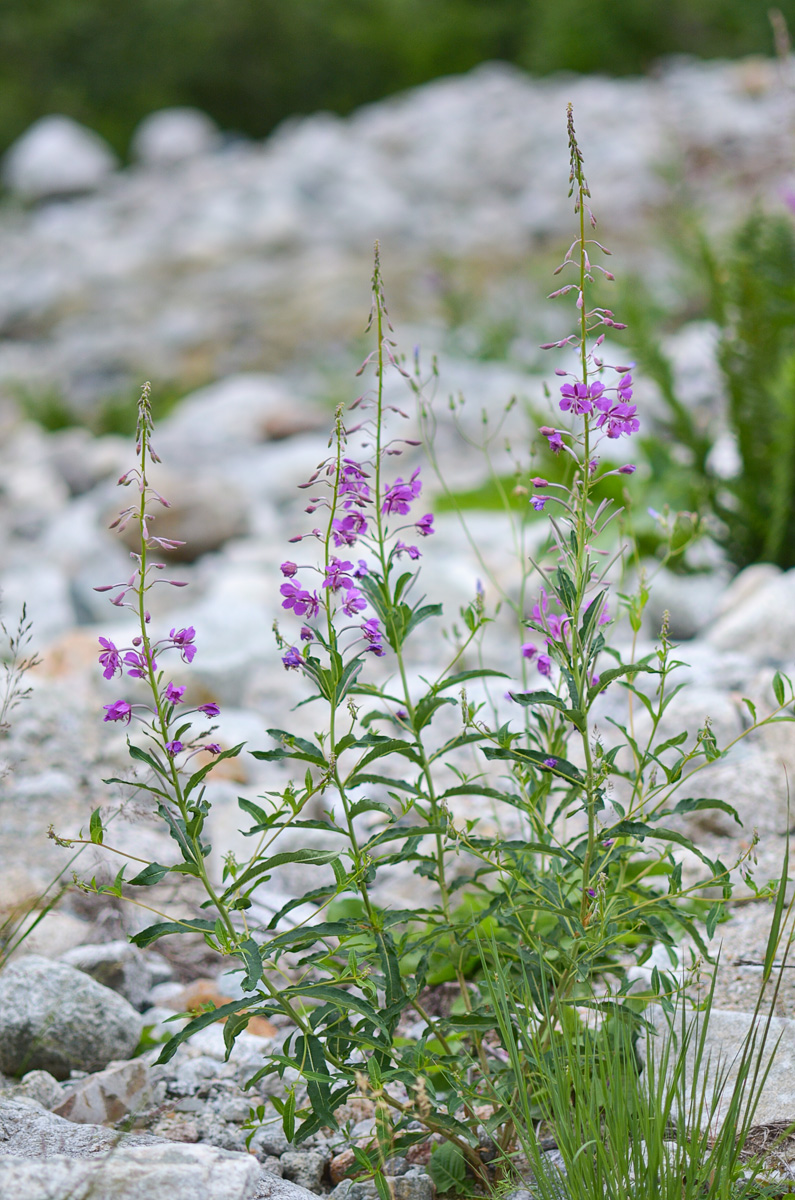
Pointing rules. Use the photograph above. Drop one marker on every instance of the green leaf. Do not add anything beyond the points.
(151, 874)
(142, 756)
(463, 676)
(199, 775)
(612, 673)
(249, 952)
(448, 1169)
(533, 758)
(592, 614)
(691, 805)
(778, 688)
(363, 806)
(200, 1022)
(96, 830)
(309, 856)
(162, 928)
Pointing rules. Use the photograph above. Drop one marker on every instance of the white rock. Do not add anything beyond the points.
(172, 135)
(57, 157)
(722, 1053)
(168, 1172)
(117, 965)
(762, 623)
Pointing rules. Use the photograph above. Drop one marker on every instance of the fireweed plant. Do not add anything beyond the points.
(583, 887)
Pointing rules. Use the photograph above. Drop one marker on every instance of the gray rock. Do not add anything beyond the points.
(761, 621)
(203, 513)
(57, 157)
(28, 1131)
(118, 965)
(273, 1187)
(172, 135)
(722, 1048)
(110, 1095)
(270, 1139)
(42, 1087)
(305, 1167)
(163, 1172)
(57, 1019)
(411, 1186)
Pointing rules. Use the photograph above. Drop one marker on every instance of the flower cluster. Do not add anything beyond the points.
(355, 519)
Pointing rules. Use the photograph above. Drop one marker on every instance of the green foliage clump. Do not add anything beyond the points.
(251, 63)
(750, 292)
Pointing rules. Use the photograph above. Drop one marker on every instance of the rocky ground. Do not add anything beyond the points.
(245, 268)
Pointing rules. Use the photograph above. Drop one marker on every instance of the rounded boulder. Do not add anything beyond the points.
(57, 1019)
(57, 157)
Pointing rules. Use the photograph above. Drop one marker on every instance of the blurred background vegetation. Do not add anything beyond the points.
(251, 63)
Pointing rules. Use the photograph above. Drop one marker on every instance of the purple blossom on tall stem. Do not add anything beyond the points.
(109, 658)
(302, 602)
(120, 710)
(174, 694)
(424, 526)
(400, 496)
(184, 639)
(209, 710)
(292, 659)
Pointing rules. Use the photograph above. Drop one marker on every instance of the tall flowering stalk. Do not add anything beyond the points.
(166, 722)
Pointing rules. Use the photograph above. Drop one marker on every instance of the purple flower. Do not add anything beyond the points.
(120, 710)
(292, 659)
(608, 842)
(183, 638)
(354, 602)
(620, 419)
(288, 569)
(213, 748)
(399, 496)
(353, 484)
(302, 603)
(337, 574)
(137, 664)
(529, 650)
(590, 892)
(577, 398)
(174, 747)
(345, 531)
(209, 710)
(174, 694)
(550, 762)
(554, 438)
(401, 548)
(627, 469)
(402, 715)
(624, 388)
(538, 482)
(360, 570)
(604, 615)
(424, 526)
(544, 665)
(372, 634)
(538, 502)
(109, 658)
(306, 634)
